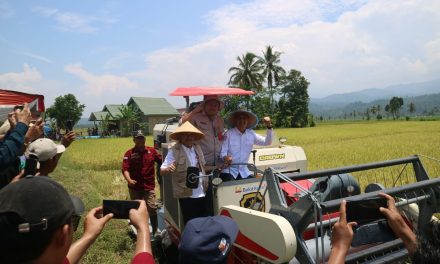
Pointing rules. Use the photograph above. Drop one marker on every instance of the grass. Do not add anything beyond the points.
(90, 168)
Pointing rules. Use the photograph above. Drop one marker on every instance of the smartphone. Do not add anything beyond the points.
(366, 210)
(69, 125)
(119, 208)
(31, 165)
(192, 177)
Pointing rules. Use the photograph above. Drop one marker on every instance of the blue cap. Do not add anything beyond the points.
(207, 240)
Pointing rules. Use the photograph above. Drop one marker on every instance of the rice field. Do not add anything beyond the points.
(90, 168)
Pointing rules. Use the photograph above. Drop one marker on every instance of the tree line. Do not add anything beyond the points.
(394, 108)
(280, 93)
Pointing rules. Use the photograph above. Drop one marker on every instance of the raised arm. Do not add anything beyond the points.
(93, 225)
(398, 225)
(268, 139)
(12, 144)
(342, 235)
(139, 218)
(189, 116)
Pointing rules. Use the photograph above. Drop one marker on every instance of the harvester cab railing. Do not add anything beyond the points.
(316, 210)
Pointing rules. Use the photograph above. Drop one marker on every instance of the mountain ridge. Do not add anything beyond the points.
(371, 94)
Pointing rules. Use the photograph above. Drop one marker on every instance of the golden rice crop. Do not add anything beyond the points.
(90, 168)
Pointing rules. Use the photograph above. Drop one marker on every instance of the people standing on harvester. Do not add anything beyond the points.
(138, 170)
(205, 117)
(183, 154)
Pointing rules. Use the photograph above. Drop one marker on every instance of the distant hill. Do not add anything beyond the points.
(369, 95)
(425, 95)
(425, 105)
(84, 123)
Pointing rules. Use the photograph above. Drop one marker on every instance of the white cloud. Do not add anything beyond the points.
(100, 84)
(20, 80)
(36, 56)
(278, 13)
(339, 46)
(74, 22)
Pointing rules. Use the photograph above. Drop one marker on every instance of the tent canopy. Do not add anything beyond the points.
(9, 99)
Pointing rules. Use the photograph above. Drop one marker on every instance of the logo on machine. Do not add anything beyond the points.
(239, 189)
(272, 157)
(253, 200)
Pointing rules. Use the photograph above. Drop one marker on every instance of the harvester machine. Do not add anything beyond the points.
(285, 214)
(288, 217)
(297, 227)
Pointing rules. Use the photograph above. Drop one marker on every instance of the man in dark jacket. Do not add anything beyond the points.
(138, 170)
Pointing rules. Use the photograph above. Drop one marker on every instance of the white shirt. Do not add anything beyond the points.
(239, 146)
(192, 157)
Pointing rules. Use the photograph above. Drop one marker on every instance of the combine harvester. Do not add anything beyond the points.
(285, 214)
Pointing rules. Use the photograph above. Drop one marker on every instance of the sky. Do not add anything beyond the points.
(104, 52)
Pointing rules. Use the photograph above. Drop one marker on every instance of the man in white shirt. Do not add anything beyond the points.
(238, 141)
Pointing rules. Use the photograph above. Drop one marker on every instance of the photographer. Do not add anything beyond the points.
(11, 145)
(47, 153)
(38, 218)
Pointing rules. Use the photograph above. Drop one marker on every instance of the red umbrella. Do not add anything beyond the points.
(197, 91)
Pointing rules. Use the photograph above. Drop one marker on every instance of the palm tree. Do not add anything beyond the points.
(271, 70)
(130, 116)
(247, 75)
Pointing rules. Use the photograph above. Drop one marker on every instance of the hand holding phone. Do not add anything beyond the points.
(366, 210)
(119, 208)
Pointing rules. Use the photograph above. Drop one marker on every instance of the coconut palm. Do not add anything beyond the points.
(271, 70)
(247, 75)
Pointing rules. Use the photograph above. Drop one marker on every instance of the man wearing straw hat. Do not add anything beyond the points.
(183, 154)
(238, 142)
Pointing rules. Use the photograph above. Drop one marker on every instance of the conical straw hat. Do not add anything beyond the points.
(252, 118)
(187, 127)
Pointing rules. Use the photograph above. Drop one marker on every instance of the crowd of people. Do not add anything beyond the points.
(38, 216)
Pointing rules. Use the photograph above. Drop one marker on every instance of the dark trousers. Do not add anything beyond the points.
(209, 201)
(192, 208)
